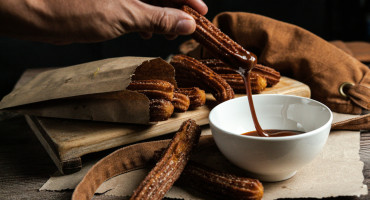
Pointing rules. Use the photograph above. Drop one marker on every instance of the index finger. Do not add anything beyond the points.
(197, 5)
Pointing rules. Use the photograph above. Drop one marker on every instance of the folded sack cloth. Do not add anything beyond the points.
(358, 49)
(335, 77)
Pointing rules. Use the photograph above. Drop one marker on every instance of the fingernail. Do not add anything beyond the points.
(202, 3)
(185, 26)
(203, 8)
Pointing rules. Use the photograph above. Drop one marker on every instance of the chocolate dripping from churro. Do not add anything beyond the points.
(259, 131)
(224, 48)
(246, 78)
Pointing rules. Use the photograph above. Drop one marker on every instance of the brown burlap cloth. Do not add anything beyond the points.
(358, 49)
(335, 77)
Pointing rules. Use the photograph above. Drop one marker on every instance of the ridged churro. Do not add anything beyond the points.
(219, 44)
(169, 168)
(153, 89)
(192, 70)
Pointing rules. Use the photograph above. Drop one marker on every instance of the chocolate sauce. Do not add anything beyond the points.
(259, 131)
(274, 133)
(247, 82)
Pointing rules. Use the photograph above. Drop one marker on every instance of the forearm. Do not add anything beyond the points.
(55, 21)
(69, 21)
(26, 19)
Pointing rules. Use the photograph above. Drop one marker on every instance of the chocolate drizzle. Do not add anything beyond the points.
(259, 130)
(230, 52)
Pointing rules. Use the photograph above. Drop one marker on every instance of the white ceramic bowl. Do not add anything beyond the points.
(271, 158)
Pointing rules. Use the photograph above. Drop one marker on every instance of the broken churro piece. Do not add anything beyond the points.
(219, 183)
(153, 89)
(181, 102)
(160, 110)
(191, 70)
(219, 44)
(271, 75)
(169, 168)
(197, 96)
(258, 83)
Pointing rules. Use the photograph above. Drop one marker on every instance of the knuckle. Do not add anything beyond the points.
(162, 22)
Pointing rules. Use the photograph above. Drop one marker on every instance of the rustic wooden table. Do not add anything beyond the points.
(25, 166)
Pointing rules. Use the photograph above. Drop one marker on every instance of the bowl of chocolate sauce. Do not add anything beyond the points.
(274, 139)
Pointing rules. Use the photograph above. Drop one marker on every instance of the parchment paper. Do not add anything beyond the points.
(75, 92)
(337, 171)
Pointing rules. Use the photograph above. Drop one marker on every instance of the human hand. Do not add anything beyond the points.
(71, 21)
(171, 22)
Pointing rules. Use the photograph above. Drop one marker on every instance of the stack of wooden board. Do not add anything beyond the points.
(67, 140)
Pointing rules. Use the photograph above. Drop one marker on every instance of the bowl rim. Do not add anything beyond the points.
(293, 137)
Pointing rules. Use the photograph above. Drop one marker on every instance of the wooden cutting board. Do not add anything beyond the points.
(67, 140)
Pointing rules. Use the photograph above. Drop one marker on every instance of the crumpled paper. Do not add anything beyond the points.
(90, 91)
(337, 171)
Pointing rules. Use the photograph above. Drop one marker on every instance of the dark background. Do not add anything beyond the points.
(347, 20)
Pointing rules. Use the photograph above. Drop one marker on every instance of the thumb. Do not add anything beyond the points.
(166, 21)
